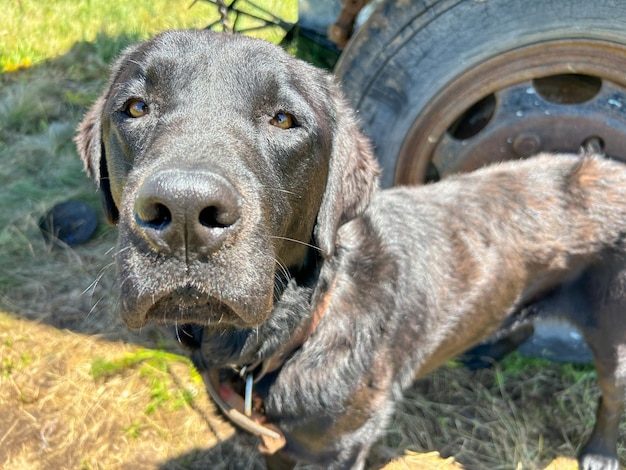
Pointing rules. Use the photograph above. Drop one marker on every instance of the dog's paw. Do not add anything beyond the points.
(597, 462)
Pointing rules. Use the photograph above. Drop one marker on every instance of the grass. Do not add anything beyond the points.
(155, 366)
(78, 390)
(64, 405)
(34, 31)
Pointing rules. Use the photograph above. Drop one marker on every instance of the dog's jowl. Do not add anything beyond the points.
(249, 218)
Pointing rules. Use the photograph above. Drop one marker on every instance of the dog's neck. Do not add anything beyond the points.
(298, 338)
(279, 336)
(234, 395)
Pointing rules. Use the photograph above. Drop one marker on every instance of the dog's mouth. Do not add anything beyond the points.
(187, 305)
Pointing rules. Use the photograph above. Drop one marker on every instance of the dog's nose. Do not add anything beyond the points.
(185, 209)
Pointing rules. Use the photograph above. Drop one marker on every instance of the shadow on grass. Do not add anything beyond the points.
(40, 107)
(237, 453)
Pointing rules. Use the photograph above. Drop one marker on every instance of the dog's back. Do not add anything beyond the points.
(545, 234)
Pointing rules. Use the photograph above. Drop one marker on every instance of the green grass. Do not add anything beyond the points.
(34, 30)
(154, 366)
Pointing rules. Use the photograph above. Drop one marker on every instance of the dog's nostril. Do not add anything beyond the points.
(213, 217)
(188, 211)
(155, 215)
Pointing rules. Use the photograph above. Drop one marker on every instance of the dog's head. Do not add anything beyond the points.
(222, 159)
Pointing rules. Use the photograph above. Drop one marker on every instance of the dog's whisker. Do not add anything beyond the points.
(121, 250)
(110, 251)
(93, 307)
(295, 241)
(91, 287)
(282, 268)
(286, 191)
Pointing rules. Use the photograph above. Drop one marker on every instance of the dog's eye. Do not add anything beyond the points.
(136, 108)
(283, 121)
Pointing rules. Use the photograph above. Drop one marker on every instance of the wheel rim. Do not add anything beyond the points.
(550, 96)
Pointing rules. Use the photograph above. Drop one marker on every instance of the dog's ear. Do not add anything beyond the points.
(352, 176)
(89, 144)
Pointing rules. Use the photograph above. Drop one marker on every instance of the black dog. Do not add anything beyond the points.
(248, 217)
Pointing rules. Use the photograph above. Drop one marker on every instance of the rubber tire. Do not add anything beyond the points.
(407, 51)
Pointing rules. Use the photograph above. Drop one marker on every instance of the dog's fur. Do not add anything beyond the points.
(403, 279)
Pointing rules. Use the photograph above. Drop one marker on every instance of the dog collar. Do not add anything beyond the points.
(232, 406)
(240, 410)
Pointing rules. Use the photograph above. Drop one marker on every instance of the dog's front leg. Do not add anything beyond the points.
(604, 330)
(600, 451)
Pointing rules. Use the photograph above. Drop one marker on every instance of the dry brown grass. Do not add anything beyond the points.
(58, 414)
(63, 409)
